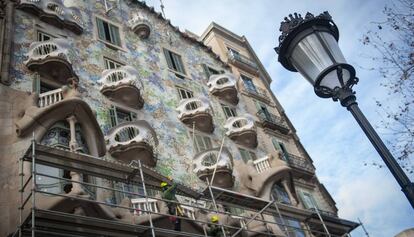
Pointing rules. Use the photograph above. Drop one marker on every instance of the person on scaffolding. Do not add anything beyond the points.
(214, 229)
(168, 194)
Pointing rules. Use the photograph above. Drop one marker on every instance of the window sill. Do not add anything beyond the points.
(178, 74)
(112, 46)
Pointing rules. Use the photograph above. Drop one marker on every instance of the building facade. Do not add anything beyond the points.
(99, 93)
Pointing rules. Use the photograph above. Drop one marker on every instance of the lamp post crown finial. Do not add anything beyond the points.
(291, 22)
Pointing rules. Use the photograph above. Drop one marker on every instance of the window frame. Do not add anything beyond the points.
(186, 91)
(108, 60)
(207, 71)
(252, 155)
(249, 86)
(283, 149)
(109, 43)
(231, 109)
(206, 141)
(113, 115)
(172, 65)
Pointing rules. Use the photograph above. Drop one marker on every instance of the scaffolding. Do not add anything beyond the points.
(48, 222)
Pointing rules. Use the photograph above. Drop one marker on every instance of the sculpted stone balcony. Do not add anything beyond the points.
(259, 175)
(140, 26)
(205, 162)
(271, 121)
(243, 62)
(123, 85)
(242, 130)
(198, 111)
(133, 141)
(55, 13)
(50, 59)
(224, 87)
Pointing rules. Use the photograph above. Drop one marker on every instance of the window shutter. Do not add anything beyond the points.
(284, 150)
(101, 29)
(36, 84)
(178, 63)
(304, 202)
(244, 155)
(112, 116)
(114, 33)
(168, 58)
(206, 71)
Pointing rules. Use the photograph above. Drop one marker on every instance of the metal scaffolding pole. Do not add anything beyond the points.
(214, 203)
(218, 159)
(320, 218)
(280, 216)
(253, 218)
(146, 198)
(33, 184)
(21, 174)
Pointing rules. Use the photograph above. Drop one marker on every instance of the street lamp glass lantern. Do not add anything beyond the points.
(310, 46)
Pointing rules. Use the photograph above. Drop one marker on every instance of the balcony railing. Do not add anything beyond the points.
(122, 75)
(243, 61)
(272, 121)
(262, 164)
(141, 209)
(323, 212)
(51, 48)
(259, 92)
(50, 97)
(300, 163)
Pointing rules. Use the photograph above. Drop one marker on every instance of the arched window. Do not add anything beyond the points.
(59, 136)
(280, 194)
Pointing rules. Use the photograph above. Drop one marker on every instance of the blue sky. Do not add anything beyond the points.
(328, 131)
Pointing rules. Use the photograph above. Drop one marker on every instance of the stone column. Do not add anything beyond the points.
(73, 145)
(291, 197)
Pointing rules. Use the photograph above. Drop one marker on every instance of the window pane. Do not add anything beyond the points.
(179, 67)
(114, 34)
(248, 82)
(101, 29)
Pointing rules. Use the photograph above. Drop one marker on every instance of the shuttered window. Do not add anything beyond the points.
(108, 32)
(111, 64)
(279, 146)
(229, 111)
(208, 71)
(174, 61)
(247, 155)
(118, 116)
(184, 93)
(201, 142)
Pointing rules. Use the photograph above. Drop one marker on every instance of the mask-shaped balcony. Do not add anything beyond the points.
(123, 85)
(242, 130)
(55, 13)
(205, 162)
(271, 121)
(140, 26)
(263, 172)
(50, 59)
(133, 141)
(224, 87)
(197, 111)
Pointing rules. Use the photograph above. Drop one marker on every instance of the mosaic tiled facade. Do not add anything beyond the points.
(139, 108)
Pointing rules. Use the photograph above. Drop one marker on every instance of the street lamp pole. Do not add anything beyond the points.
(309, 45)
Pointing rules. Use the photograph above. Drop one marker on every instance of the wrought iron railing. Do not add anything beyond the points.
(236, 57)
(266, 116)
(300, 163)
(256, 91)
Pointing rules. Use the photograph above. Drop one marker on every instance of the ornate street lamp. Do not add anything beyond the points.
(310, 46)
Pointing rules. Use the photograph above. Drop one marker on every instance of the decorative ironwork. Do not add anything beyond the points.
(300, 163)
(294, 21)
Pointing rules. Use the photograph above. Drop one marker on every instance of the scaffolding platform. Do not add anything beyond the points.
(48, 222)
